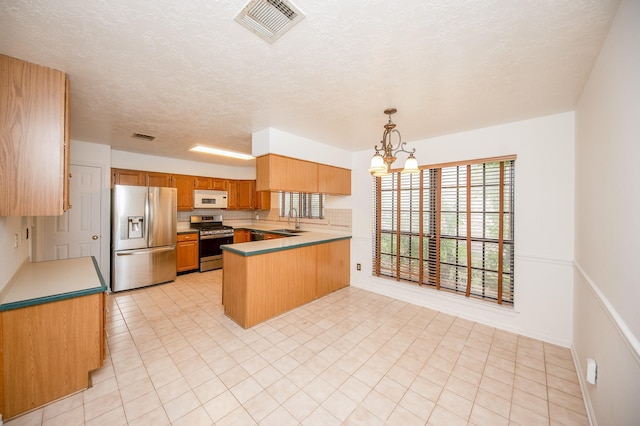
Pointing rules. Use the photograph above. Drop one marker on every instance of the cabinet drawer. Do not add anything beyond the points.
(188, 237)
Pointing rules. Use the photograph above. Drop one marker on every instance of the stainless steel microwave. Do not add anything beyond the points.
(207, 199)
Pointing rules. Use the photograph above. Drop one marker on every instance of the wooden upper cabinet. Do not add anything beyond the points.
(158, 179)
(128, 177)
(278, 173)
(202, 182)
(241, 194)
(210, 183)
(33, 128)
(246, 193)
(334, 180)
(263, 200)
(67, 146)
(219, 184)
(185, 185)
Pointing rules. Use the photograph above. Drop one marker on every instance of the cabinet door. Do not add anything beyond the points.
(49, 350)
(67, 146)
(32, 131)
(277, 173)
(246, 192)
(158, 179)
(232, 195)
(185, 185)
(241, 236)
(128, 177)
(187, 258)
(202, 182)
(218, 184)
(334, 180)
(263, 200)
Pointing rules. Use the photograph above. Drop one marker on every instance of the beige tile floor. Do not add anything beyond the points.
(352, 357)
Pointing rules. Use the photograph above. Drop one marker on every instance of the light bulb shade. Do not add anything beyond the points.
(380, 173)
(377, 164)
(411, 165)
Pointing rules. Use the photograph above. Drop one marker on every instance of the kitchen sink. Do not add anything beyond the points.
(289, 231)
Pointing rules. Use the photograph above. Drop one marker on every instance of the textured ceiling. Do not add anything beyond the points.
(187, 73)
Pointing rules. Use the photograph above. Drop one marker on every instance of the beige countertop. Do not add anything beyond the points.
(42, 282)
(307, 238)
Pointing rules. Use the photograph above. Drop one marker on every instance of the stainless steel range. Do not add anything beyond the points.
(213, 234)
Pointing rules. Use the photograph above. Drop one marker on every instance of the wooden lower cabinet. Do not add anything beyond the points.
(268, 236)
(256, 288)
(48, 351)
(241, 236)
(187, 257)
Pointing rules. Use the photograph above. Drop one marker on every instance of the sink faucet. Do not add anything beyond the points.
(297, 221)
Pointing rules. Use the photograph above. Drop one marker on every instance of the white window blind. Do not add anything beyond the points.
(309, 206)
(448, 227)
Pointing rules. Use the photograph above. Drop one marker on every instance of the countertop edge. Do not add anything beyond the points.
(62, 296)
(290, 247)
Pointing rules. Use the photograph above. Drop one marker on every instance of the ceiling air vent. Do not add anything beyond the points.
(142, 136)
(269, 19)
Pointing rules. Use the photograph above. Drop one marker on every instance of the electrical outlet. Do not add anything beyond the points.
(358, 266)
(16, 240)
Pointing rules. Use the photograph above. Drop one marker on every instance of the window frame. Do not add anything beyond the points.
(411, 245)
(306, 204)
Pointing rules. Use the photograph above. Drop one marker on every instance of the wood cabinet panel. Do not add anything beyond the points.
(256, 288)
(263, 200)
(210, 183)
(187, 257)
(33, 122)
(185, 186)
(241, 194)
(268, 236)
(127, 177)
(334, 180)
(241, 236)
(202, 182)
(48, 351)
(246, 192)
(277, 173)
(218, 184)
(333, 266)
(158, 179)
(267, 285)
(67, 146)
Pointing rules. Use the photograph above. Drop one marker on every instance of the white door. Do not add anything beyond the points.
(77, 232)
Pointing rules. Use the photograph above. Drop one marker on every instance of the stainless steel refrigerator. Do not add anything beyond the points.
(143, 236)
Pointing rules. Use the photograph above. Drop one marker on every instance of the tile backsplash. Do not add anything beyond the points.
(335, 219)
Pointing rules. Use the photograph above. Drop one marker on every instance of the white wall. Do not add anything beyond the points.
(544, 173)
(10, 257)
(607, 230)
(276, 141)
(130, 160)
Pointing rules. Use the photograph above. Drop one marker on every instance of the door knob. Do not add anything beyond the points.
(95, 237)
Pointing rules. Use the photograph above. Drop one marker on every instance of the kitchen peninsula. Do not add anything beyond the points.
(263, 279)
(51, 332)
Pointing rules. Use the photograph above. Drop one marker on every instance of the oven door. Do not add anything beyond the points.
(210, 251)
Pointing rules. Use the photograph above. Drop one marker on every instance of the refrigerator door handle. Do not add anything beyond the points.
(145, 251)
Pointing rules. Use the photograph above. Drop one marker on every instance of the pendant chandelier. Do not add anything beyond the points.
(385, 156)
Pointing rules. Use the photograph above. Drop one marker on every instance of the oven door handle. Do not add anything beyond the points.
(213, 237)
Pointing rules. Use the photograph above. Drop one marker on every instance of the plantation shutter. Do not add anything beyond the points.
(450, 227)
